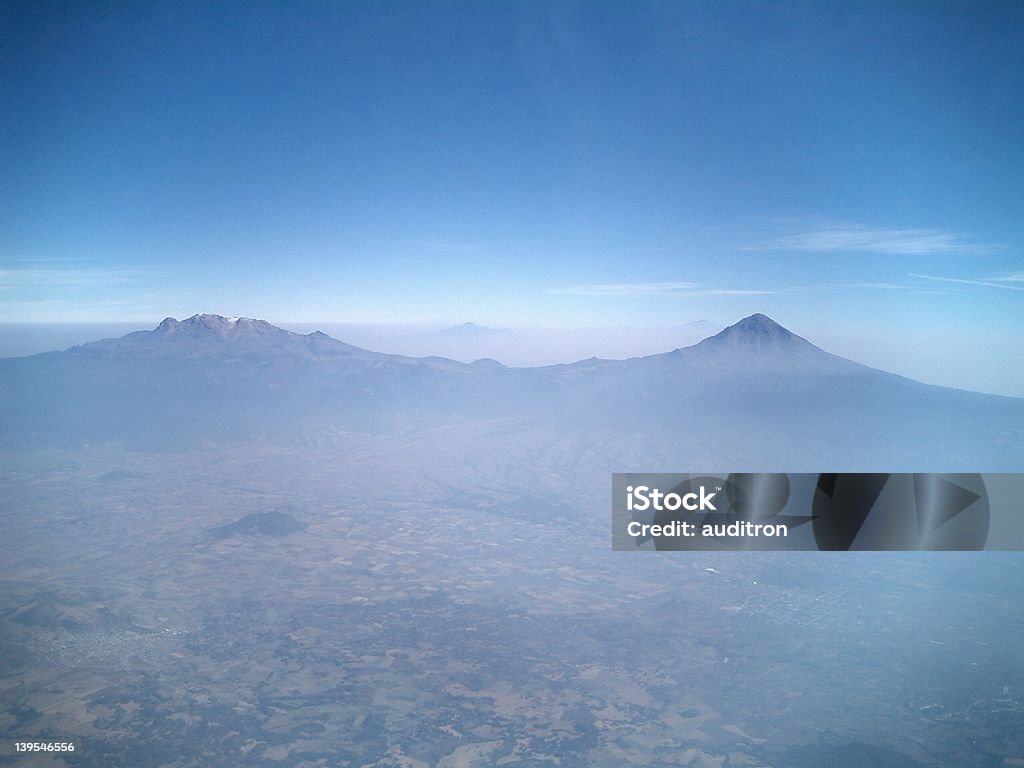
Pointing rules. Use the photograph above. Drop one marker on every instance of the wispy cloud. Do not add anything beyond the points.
(863, 239)
(733, 292)
(20, 259)
(1016, 277)
(859, 286)
(998, 282)
(696, 289)
(448, 246)
(63, 278)
(379, 316)
(52, 310)
(628, 289)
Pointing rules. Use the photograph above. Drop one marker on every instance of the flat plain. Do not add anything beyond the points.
(387, 601)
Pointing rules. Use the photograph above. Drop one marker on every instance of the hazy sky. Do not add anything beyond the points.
(843, 166)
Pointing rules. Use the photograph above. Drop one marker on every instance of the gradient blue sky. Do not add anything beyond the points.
(834, 165)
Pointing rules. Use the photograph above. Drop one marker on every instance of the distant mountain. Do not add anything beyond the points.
(535, 346)
(752, 397)
(465, 342)
(701, 326)
(468, 332)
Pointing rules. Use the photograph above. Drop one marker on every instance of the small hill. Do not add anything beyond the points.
(273, 523)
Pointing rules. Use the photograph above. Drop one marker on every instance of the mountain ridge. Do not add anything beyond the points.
(754, 333)
(755, 344)
(755, 395)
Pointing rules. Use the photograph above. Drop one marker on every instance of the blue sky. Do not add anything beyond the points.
(835, 165)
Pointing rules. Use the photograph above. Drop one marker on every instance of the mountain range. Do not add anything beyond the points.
(753, 397)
